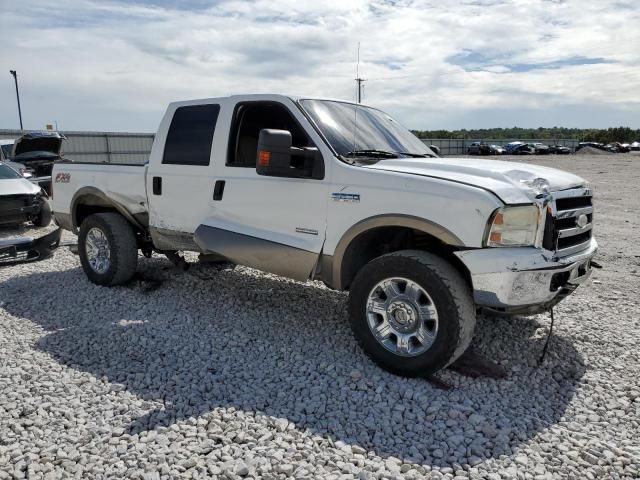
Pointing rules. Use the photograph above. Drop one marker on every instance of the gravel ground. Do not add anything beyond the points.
(235, 373)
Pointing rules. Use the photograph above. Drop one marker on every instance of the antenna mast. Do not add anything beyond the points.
(359, 81)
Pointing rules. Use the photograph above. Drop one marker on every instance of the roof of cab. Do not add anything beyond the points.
(257, 97)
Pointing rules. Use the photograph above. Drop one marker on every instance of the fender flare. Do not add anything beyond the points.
(106, 201)
(332, 265)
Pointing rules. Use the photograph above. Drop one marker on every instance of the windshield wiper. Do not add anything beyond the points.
(417, 155)
(371, 153)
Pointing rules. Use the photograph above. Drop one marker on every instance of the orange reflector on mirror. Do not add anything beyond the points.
(263, 158)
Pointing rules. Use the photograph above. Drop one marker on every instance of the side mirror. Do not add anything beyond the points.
(276, 157)
(274, 153)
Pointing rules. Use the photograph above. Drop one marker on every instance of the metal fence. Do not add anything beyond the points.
(454, 146)
(134, 148)
(101, 147)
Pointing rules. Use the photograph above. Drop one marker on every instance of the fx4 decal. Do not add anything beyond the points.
(63, 177)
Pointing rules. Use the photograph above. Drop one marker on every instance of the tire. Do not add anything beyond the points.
(114, 235)
(447, 293)
(44, 217)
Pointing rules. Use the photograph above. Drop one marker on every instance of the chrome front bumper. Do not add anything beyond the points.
(527, 280)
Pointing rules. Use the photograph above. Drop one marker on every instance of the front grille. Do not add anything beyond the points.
(16, 202)
(17, 208)
(572, 202)
(567, 231)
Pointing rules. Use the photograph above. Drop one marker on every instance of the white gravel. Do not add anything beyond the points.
(238, 374)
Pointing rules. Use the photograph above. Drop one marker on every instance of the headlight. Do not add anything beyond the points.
(513, 227)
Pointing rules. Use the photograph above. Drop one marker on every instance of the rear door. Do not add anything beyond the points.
(276, 224)
(179, 177)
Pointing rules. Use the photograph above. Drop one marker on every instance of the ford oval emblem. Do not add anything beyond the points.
(582, 221)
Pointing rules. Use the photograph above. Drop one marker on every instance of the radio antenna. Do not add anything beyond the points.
(359, 82)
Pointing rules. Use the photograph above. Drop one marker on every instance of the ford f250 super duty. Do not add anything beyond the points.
(339, 192)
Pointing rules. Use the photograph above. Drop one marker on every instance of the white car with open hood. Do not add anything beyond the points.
(33, 155)
(339, 192)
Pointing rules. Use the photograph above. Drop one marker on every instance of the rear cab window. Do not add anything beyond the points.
(190, 135)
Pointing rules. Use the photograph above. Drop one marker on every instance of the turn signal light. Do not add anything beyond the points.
(263, 158)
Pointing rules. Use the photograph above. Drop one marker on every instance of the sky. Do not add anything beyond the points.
(431, 64)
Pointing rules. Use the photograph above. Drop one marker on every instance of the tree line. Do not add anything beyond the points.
(617, 134)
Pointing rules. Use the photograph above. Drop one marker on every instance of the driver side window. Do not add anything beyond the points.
(251, 117)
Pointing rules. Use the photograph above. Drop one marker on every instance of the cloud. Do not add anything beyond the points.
(114, 65)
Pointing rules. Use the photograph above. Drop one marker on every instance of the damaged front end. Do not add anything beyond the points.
(531, 279)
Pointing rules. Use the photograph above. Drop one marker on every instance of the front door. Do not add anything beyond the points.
(275, 224)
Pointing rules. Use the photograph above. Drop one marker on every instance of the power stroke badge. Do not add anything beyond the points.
(346, 197)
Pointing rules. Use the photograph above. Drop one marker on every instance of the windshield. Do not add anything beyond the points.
(6, 149)
(353, 129)
(8, 173)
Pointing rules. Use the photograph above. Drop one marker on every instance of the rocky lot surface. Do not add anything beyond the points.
(239, 374)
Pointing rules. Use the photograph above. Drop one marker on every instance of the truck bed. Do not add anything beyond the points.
(124, 184)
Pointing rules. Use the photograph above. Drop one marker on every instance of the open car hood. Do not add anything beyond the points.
(38, 144)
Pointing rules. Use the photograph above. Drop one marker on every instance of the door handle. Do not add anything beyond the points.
(157, 185)
(218, 190)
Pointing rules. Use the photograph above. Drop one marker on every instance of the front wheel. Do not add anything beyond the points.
(108, 249)
(44, 216)
(412, 312)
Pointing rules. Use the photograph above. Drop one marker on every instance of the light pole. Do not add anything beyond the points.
(15, 78)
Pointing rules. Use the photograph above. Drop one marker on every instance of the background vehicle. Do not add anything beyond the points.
(523, 149)
(617, 147)
(36, 152)
(21, 201)
(481, 148)
(297, 187)
(540, 148)
(474, 148)
(6, 146)
(509, 147)
(559, 150)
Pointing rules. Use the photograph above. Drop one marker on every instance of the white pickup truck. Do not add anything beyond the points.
(339, 192)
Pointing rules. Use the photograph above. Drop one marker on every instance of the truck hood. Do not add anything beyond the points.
(17, 186)
(512, 182)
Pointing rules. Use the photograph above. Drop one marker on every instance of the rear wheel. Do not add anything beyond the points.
(412, 312)
(108, 249)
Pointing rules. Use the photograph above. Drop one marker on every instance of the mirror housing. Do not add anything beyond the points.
(274, 153)
(276, 157)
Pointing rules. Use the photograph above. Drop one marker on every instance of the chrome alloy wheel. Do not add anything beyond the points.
(97, 250)
(402, 316)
